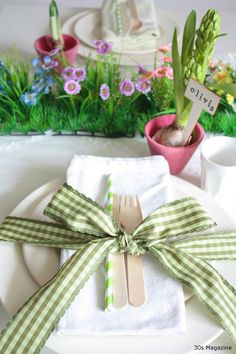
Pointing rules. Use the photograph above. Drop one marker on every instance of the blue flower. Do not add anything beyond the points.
(47, 60)
(38, 71)
(49, 80)
(48, 63)
(35, 62)
(42, 84)
(42, 67)
(38, 86)
(43, 80)
(29, 98)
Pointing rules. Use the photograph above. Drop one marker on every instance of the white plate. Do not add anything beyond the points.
(17, 285)
(86, 51)
(88, 28)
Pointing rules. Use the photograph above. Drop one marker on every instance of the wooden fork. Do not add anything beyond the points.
(130, 217)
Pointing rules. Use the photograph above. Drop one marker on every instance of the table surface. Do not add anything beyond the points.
(28, 162)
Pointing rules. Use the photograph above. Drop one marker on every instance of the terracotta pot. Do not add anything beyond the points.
(177, 157)
(43, 46)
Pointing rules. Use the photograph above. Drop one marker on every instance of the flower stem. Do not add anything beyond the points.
(182, 119)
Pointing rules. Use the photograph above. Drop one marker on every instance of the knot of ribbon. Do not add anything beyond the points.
(126, 243)
(86, 227)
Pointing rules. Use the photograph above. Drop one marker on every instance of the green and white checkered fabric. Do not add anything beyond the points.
(89, 229)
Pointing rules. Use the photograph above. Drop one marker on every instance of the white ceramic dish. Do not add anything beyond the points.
(17, 284)
(88, 28)
(85, 51)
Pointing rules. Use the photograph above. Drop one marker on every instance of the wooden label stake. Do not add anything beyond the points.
(203, 100)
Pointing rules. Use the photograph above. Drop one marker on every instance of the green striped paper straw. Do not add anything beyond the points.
(120, 31)
(108, 266)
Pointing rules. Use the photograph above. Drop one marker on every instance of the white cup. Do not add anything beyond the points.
(218, 169)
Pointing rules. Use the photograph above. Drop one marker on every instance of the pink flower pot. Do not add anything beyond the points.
(177, 157)
(43, 46)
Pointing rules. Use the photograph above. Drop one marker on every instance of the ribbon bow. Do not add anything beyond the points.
(86, 227)
(129, 245)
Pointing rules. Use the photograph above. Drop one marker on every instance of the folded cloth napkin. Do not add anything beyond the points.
(129, 24)
(164, 310)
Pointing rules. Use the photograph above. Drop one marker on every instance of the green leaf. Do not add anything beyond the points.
(182, 119)
(226, 87)
(178, 76)
(188, 36)
(220, 35)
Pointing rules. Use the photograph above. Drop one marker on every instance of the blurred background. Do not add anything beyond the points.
(185, 5)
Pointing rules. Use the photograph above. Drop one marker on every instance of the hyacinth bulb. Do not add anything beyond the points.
(170, 136)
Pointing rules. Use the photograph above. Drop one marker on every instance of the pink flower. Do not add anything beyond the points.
(96, 42)
(142, 70)
(166, 59)
(169, 73)
(48, 63)
(68, 73)
(72, 87)
(79, 74)
(104, 92)
(127, 87)
(54, 64)
(213, 64)
(103, 47)
(160, 71)
(143, 86)
(148, 75)
(166, 48)
(163, 71)
(54, 52)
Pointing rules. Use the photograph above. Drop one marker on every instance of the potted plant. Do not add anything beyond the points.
(165, 133)
(56, 41)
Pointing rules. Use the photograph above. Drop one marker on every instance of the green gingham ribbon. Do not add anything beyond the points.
(92, 232)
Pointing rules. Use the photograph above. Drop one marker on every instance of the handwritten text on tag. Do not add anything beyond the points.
(203, 99)
(206, 99)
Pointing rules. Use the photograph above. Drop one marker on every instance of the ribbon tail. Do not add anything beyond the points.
(34, 322)
(22, 230)
(210, 247)
(208, 285)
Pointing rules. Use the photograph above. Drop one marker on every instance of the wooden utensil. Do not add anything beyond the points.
(130, 217)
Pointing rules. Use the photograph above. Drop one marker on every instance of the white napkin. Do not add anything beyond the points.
(132, 12)
(164, 310)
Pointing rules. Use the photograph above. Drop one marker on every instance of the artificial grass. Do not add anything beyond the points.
(52, 115)
(59, 112)
(222, 123)
(87, 112)
(44, 117)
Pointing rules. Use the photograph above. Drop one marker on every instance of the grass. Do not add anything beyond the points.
(222, 122)
(119, 115)
(60, 112)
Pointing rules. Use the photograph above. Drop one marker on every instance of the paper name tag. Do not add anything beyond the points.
(203, 99)
(202, 96)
